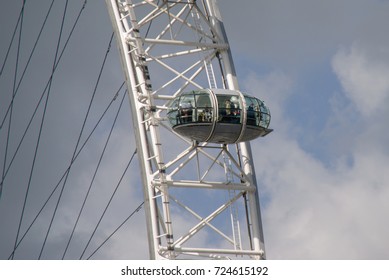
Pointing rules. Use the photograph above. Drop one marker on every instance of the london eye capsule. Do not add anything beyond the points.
(219, 116)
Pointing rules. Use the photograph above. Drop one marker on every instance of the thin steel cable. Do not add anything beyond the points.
(64, 174)
(12, 39)
(10, 116)
(93, 177)
(28, 61)
(109, 202)
(47, 97)
(112, 234)
(78, 142)
(43, 94)
(13, 94)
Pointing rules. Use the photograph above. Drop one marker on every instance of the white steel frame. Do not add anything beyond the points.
(184, 43)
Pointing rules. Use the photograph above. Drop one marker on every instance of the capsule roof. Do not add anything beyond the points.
(219, 116)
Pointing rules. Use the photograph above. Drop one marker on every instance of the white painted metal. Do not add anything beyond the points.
(167, 47)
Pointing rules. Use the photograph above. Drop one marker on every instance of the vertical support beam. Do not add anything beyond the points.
(137, 88)
(247, 162)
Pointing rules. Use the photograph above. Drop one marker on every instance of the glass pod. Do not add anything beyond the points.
(219, 116)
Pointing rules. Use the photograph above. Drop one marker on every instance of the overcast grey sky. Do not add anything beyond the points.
(321, 66)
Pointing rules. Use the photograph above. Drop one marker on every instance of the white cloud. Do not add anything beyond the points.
(365, 81)
(315, 211)
(318, 213)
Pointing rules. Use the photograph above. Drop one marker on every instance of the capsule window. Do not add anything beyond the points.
(203, 108)
(185, 108)
(253, 111)
(229, 109)
(265, 114)
(258, 113)
(173, 113)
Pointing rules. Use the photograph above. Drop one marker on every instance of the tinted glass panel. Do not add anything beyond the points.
(229, 108)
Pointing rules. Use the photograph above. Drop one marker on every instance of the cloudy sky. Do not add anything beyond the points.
(321, 66)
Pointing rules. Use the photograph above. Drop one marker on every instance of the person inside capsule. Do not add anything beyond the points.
(229, 109)
(186, 112)
(205, 114)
